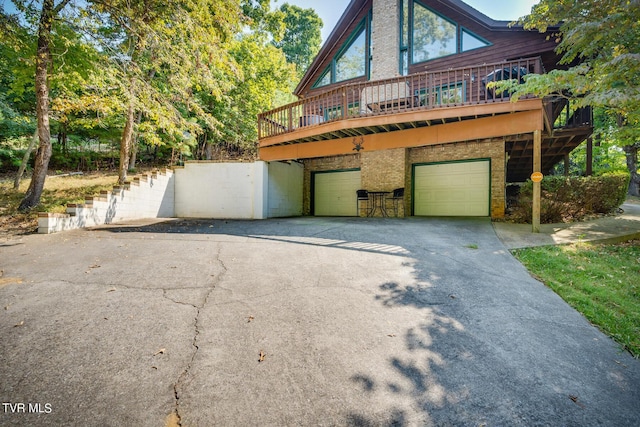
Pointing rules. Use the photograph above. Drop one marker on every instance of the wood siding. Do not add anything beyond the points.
(507, 44)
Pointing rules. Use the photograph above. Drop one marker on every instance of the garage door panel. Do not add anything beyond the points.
(452, 189)
(335, 193)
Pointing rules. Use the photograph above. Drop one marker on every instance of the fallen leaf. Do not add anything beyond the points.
(111, 290)
(19, 324)
(391, 335)
(250, 318)
(575, 400)
(161, 351)
(262, 356)
(94, 266)
(10, 280)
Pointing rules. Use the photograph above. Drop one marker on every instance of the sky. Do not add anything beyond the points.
(331, 10)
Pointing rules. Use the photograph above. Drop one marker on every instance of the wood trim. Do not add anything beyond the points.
(465, 111)
(488, 127)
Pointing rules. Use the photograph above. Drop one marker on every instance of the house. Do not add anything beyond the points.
(398, 97)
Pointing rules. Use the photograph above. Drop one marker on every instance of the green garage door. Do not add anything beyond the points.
(335, 193)
(452, 189)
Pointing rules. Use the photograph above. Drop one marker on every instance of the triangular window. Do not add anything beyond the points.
(325, 79)
(352, 60)
(471, 41)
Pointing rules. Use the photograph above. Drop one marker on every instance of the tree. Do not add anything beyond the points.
(264, 74)
(43, 62)
(301, 39)
(161, 54)
(600, 46)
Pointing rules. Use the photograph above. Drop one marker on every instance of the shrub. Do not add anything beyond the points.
(10, 159)
(565, 199)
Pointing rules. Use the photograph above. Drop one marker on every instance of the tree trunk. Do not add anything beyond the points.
(62, 137)
(134, 146)
(631, 152)
(43, 59)
(25, 160)
(125, 143)
(133, 156)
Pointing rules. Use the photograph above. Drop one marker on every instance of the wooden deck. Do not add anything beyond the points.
(435, 108)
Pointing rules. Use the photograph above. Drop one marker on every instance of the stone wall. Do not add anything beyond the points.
(385, 39)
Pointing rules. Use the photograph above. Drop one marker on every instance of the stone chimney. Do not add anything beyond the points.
(385, 39)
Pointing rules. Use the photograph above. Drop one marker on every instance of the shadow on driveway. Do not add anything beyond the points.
(364, 322)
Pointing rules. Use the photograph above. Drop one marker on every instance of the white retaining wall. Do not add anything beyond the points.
(221, 190)
(285, 189)
(147, 196)
(255, 190)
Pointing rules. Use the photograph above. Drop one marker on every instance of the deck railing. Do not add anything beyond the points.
(428, 90)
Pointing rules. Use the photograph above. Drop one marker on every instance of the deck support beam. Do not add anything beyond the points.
(537, 163)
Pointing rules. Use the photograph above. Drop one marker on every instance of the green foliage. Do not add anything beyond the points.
(194, 70)
(10, 159)
(301, 36)
(571, 199)
(13, 125)
(599, 42)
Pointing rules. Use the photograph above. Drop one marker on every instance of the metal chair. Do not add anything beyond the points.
(363, 195)
(396, 197)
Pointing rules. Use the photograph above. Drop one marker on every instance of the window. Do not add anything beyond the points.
(325, 79)
(471, 41)
(353, 59)
(454, 93)
(433, 35)
(451, 94)
(352, 62)
(426, 35)
(335, 112)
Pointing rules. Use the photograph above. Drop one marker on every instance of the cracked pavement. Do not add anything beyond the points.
(301, 321)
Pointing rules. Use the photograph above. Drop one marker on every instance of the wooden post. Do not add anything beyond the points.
(345, 103)
(537, 163)
(567, 165)
(589, 168)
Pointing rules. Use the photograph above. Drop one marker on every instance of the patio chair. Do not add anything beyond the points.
(363, 196)
(396, 197)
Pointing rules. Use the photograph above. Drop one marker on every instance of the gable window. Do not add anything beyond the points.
(351, 63)
(427, 35)
(353, 59)
(471, 41)
(433, 36)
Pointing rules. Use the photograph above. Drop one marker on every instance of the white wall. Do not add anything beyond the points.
(147, 196)
(285, 189)
(255, 190)
(221, 190)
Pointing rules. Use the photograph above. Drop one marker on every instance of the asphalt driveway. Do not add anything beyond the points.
(302, 321)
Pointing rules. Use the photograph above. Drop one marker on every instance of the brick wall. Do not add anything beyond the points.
(384, 170)
(493, 149)
(385, 39)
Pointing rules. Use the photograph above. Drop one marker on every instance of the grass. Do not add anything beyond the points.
(58, 192)
(601, 281)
